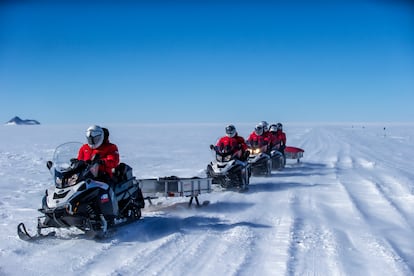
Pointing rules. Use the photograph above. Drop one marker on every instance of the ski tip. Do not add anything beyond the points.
(22, 232)
(25, 236)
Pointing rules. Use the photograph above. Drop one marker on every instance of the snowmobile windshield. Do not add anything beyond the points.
(63, 173)
(63, 155)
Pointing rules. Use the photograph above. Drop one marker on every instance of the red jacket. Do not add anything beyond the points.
(281, 136)
(273, 140)
(258, 140)
(228, 144)
(108, 153)
(241, 142)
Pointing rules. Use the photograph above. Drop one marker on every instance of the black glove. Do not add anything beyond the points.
(245, 155)
(75, 163)
(100, 162)
(96, 159)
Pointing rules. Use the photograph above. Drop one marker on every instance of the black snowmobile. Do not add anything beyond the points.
(227, 170)
(259, 159)
(278, 160)
(81, 199)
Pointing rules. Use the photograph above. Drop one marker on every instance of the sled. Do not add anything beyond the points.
(294, 153)
(175, 187)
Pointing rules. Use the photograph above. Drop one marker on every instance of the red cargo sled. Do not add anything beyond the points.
(294, 153)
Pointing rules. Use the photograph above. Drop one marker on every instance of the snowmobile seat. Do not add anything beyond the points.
(122, 173)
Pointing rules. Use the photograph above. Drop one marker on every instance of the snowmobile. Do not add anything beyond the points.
(82, 200)
(228, 170)
(278, 160)
(259, 160)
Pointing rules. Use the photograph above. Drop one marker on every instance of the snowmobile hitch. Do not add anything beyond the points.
(191, 201)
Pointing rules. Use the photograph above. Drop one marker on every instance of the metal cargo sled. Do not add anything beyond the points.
(175, 187)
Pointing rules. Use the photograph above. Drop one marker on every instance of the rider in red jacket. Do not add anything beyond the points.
(278, 141)
(274, 139)
(232, 132)
(232, 143)
(258, 137)
(281, 135)
(98, 146)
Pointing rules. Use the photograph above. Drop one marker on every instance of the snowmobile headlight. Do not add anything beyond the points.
(256, 151)
(58, 182)
(225, 158)
(72, 180)
(63, 182)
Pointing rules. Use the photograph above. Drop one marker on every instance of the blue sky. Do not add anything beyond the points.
(210, 61)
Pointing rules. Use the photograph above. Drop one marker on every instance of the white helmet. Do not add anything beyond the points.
(259, 129)
(273, 128)
(265, 125)
(94, 136)
(231, 131)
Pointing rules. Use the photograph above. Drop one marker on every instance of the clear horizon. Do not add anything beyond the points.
(212, 61)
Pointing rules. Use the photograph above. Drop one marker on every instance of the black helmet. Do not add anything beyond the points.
(106, 134)
(279, 126)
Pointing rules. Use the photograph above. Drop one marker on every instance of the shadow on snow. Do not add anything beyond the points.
(303, 169)
(274, 187)
(153, 228)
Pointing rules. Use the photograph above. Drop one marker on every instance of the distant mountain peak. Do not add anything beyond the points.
(17, 121)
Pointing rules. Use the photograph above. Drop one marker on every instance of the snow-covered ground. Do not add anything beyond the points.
(346, 209)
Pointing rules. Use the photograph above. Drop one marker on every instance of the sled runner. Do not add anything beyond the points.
(294, 153)
(175, 187)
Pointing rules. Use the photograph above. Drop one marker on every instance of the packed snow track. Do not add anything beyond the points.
(345, 209)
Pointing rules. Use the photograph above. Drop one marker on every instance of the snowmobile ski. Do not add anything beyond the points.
(25, 236)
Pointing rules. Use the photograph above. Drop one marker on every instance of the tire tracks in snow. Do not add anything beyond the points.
(314, 213)
(312, 244)
(373, 206)
(193, 250)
